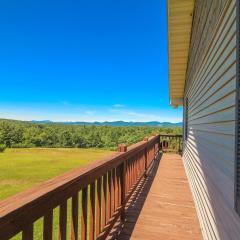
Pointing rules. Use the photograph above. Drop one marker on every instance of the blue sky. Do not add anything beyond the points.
(84, 60)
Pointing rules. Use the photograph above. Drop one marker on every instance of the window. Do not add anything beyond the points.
(237, 156)
(186, 120)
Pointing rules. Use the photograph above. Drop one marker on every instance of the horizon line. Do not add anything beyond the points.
(75, 121)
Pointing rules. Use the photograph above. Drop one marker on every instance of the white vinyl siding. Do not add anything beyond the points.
(209, 152)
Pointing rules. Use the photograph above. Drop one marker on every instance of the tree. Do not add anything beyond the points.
(27, 134)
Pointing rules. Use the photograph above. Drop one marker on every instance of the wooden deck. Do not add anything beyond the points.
(162, 207)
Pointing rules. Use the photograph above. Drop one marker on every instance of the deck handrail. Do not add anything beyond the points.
(171, 135)
(111, 182)
(171, 142)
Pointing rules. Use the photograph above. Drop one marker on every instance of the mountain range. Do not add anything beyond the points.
(118, 123)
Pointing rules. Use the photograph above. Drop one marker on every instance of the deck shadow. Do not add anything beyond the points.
(136, 203)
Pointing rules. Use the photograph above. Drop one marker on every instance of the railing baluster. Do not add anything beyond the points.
(99, 200)
(143, 160)
(140, 164)
(48, 226)
(104, 201)
(113, 192)
(138, 167)
(123, 192)
(116, 189)
(120, 186)
(134, 170)
(145, 156)
(109, 196)
(123, 177)
(63, 221)
(132, 173)
(126, 178)
(92, 212)
(74, 227)
(129, 175)
(84, 214)
(28, 232)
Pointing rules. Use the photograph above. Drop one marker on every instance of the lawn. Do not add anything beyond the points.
(23, 168)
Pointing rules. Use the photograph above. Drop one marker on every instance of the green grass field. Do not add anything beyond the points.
(23, 168)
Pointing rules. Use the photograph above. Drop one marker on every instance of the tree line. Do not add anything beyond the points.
(20, 134)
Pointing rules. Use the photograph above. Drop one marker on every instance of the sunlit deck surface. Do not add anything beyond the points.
(162, 207)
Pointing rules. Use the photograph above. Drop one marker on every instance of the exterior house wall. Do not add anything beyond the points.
(209, 149)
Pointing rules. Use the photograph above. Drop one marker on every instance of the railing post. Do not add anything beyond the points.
(159, 143)
(123, 148)
(179, 145)
(146, 156)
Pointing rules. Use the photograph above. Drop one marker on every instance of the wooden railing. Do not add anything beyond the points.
(100, 191)
(171, 143)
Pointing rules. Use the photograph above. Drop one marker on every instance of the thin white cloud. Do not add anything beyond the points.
(118, 105)
(144, 115)
(87, 113)
(65, 103)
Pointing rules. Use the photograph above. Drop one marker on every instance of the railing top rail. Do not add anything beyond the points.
(51, 193)
(171, 135)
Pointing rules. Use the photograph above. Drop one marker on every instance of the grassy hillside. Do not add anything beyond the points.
(24, 168)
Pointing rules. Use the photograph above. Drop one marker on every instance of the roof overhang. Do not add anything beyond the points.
(180, 14)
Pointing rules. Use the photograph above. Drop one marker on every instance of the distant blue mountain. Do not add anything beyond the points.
(42, 121)
(117, 123)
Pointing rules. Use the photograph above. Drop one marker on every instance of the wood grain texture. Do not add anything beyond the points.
(104, 202)
(84, 210)
(48, 226)
(163, 207)
(28, 233)
(98, 206)
(109, 196)
(74, 226)
(63, 221)
(92, 211)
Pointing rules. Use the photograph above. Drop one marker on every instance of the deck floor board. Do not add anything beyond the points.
(163, 206)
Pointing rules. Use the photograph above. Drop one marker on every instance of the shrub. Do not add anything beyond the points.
(2, 147)
(22, 145)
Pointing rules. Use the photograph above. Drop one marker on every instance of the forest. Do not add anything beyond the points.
(20, 134)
